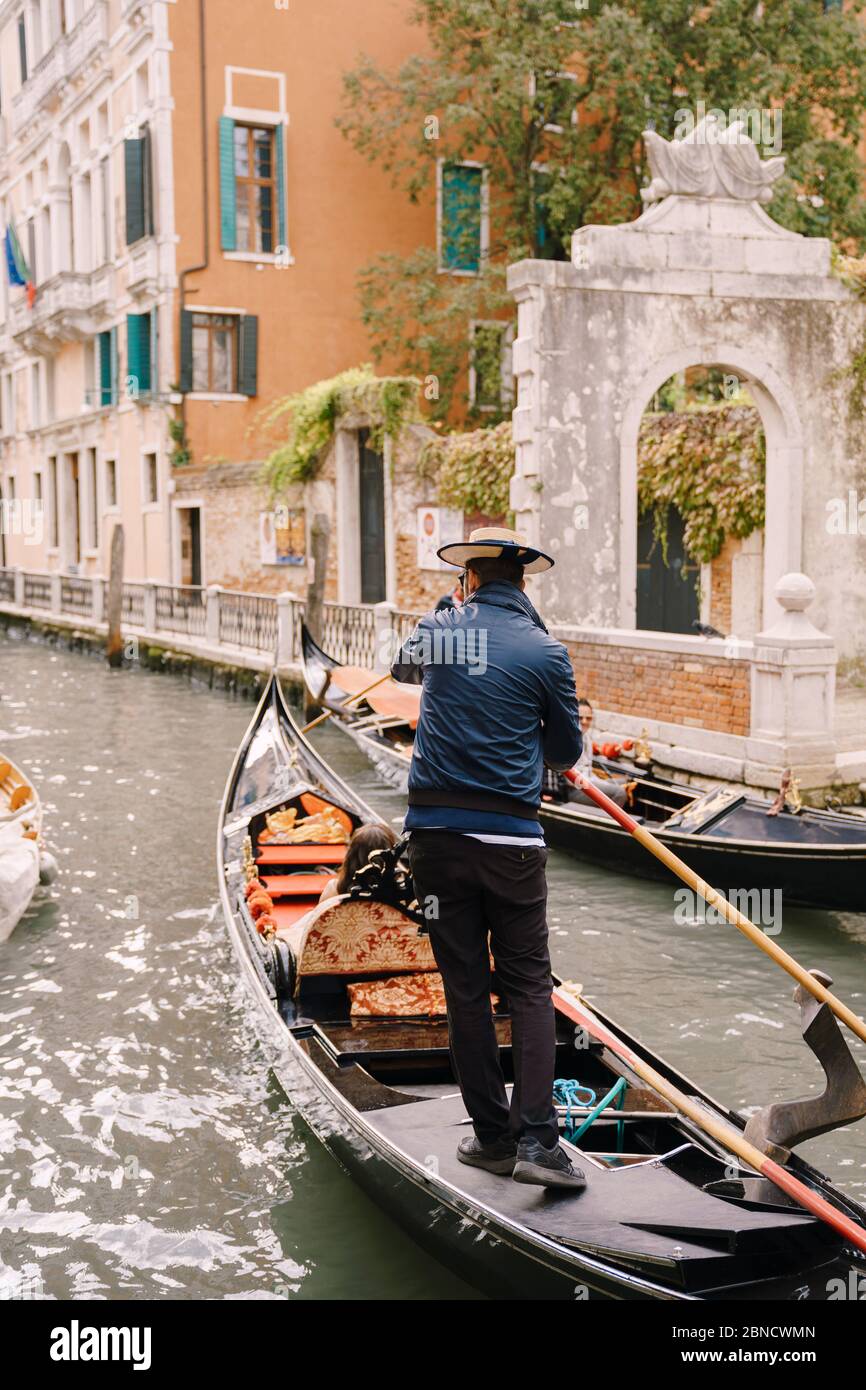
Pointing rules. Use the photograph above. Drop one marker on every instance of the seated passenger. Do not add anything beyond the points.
(364, 841)
(617, 791)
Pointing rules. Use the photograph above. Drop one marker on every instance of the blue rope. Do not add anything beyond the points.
(565, 1093)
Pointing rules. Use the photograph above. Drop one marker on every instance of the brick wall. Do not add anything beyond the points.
(720, 586)
(710, 693)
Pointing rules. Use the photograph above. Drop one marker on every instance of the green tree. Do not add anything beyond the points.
(490, 87)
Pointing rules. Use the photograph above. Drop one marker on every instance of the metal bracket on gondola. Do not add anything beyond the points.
(778, 1128)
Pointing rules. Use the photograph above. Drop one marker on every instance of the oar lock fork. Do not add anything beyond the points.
(779, 1127)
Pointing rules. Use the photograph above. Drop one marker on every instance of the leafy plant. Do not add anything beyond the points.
(181, 454)
(311, 416)
(553, 98)
(708, 462)
(472, 470)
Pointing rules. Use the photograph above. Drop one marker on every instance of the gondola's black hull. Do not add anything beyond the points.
(472, 1231)
(831, 878)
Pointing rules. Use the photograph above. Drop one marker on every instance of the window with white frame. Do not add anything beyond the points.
(92, 510)
(110, 484)
(53, 506)
(490, 371)
(462, 219)
(150, 480)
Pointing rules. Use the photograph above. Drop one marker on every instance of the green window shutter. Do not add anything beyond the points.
(228, 237)
(147, 181)
(185, 350)
(134, 159)
(280, 147)
(248, 355)
(105, 369)
(152, 347)
(461, 217)
(138, 332)
(114, 356)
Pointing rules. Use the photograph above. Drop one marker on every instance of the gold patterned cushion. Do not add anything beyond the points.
(359, 937)
(401, 996)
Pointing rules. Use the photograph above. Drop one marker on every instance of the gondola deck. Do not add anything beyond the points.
(661, 1216)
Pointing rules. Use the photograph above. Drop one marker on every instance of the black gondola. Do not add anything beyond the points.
(661, 1216)
(813, 858)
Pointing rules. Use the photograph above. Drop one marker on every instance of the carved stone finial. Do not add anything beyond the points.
(711, 162)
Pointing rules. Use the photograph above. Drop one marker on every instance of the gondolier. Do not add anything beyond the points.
(498, 703)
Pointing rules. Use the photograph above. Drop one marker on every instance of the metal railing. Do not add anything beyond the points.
(37, 590)
(349, 633)
(133, 604)
(181, 609)
(354, 634)
(76, 595)
(248, 620)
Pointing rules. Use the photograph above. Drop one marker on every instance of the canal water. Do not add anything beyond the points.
(144, 1151)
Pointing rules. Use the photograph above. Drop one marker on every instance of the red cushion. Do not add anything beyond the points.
(287, 911)
(301, 854)
(296, 885)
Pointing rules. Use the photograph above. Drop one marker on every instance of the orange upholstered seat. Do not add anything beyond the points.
(296, 885)
(301, 854)
(287, 911)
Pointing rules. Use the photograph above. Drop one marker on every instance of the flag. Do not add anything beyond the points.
(16, 266)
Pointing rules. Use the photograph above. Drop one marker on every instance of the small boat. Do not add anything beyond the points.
(20, 829)
(814, 858)
(347, 996)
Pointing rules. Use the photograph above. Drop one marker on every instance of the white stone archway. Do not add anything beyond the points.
(784, 474)
(704, 277)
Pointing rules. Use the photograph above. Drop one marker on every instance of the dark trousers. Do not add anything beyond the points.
(469, 889)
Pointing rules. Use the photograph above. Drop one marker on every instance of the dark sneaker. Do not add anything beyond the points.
(547, 1167)
(496, 1158)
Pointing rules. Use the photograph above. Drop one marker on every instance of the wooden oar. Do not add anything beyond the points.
(721, 1130)
(353, 701)
(721, 904)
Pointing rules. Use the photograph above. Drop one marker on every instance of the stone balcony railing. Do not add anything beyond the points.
(64, 61)
(70, 306)
(143, 269)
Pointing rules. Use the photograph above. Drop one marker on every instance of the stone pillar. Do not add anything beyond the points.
(212, 614)
(19, 586)
(149, 606)
(793, 694)
(98, 600)
(56, 593)
(385, 646)
(286, 653)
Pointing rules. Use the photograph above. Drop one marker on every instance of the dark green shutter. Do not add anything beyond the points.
(105, 369)
(185, 350)
(138, 351)
(280, 145)
(461, 217)
(134, 157)
(228, 234)
(147, 181)
(115, 363)
(248, 355)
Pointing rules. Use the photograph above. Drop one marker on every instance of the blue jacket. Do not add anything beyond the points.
(498, 702)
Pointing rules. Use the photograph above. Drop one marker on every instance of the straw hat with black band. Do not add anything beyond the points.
(495, 542)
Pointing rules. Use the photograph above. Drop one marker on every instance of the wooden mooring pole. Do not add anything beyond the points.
(114, 642)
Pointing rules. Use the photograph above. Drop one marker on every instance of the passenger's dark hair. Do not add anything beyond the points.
(364, 840)
(496, 567)
(582, 700)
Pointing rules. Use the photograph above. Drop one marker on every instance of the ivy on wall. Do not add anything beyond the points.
(851, 270)
(709, 463)
(388, 402)
(472, 471)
